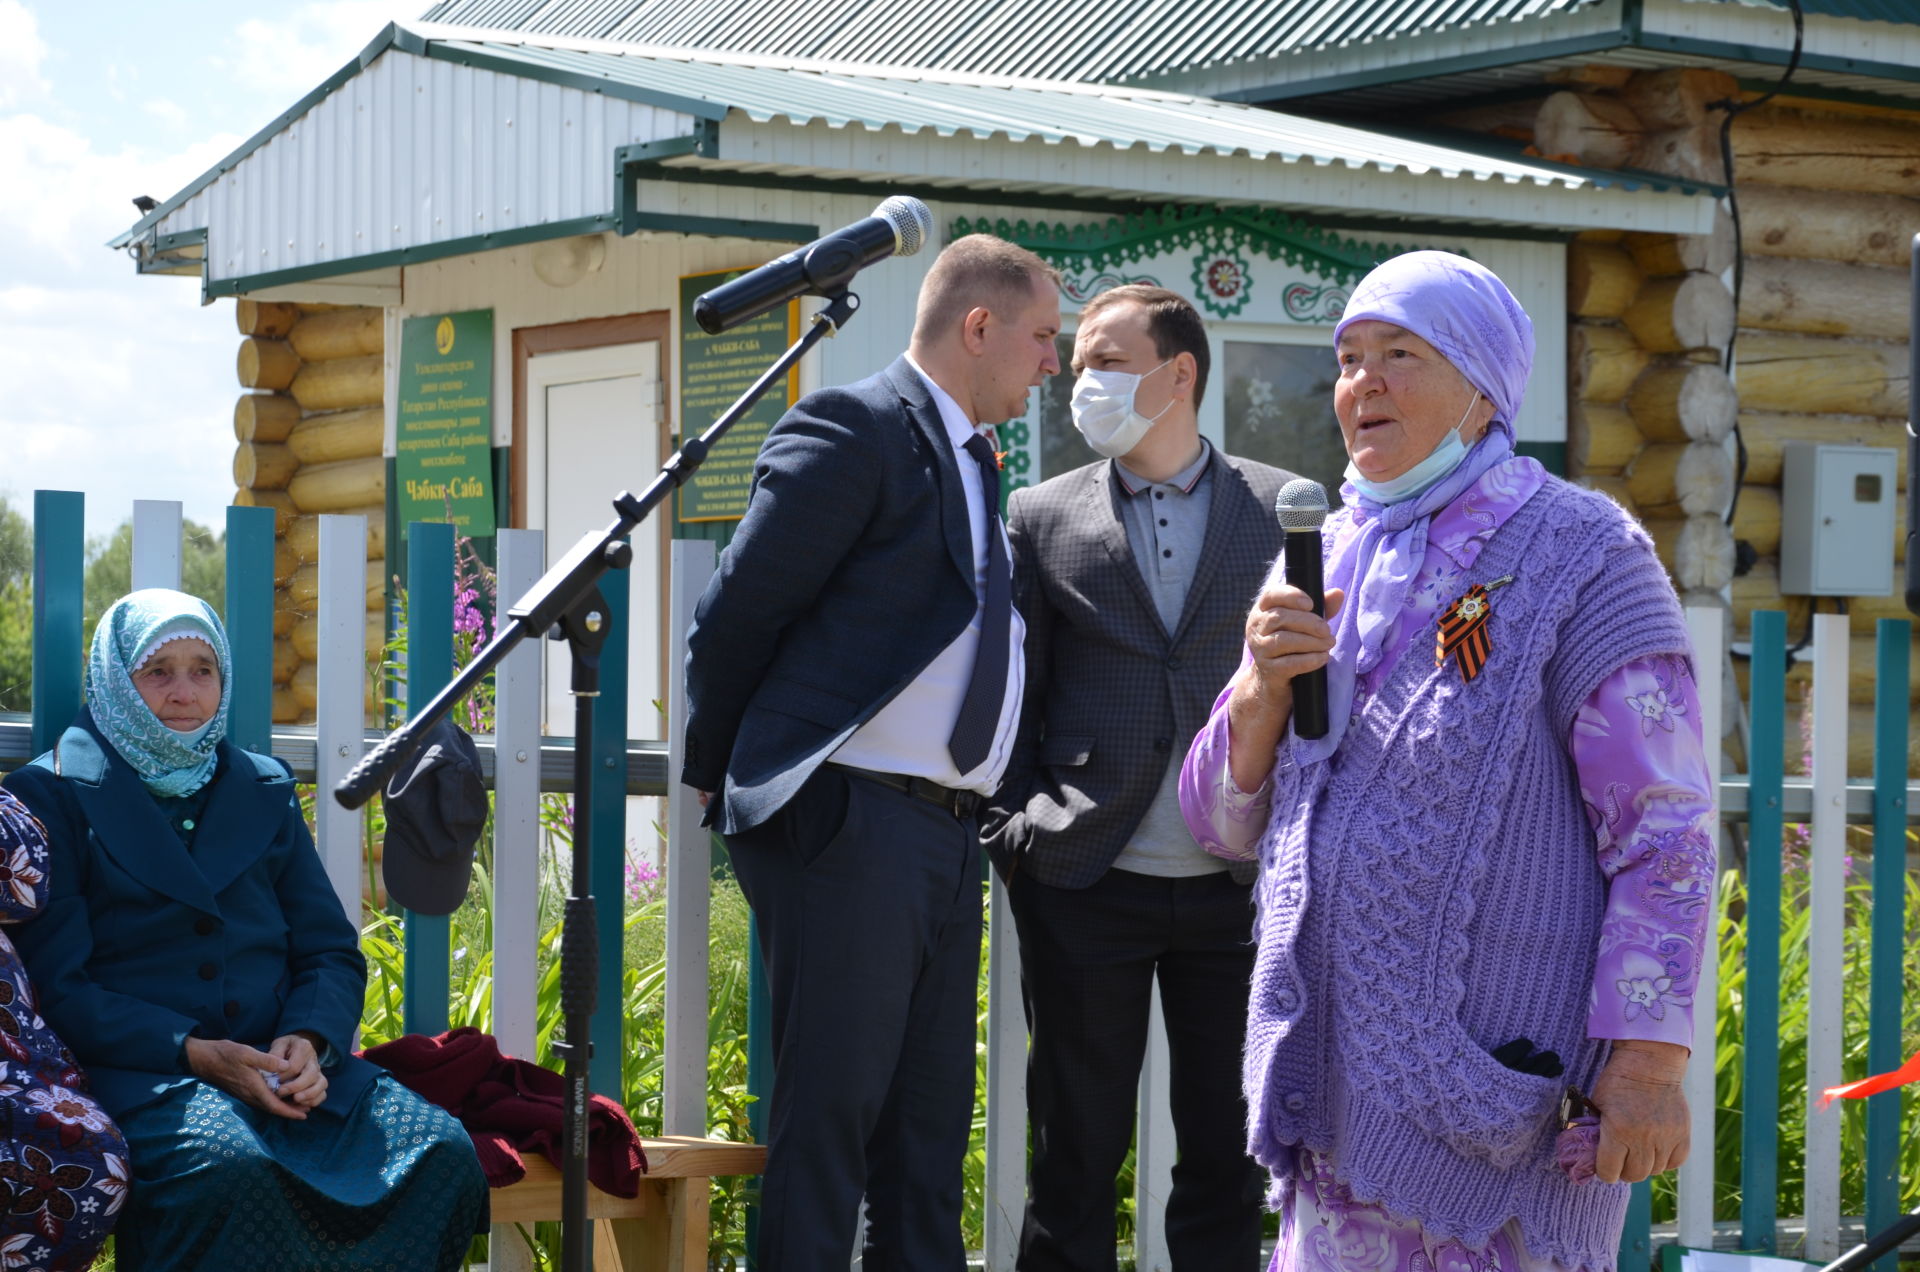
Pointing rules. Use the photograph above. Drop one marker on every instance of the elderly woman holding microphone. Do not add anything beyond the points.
(1484, 889)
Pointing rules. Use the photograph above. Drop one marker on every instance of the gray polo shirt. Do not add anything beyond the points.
(1166, 525)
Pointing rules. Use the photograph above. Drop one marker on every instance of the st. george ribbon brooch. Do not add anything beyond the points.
(1463, 630)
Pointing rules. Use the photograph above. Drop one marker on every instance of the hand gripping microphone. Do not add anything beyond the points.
(1302, 509)
(898, 227)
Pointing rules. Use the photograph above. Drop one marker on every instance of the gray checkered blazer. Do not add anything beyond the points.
(1111, 695)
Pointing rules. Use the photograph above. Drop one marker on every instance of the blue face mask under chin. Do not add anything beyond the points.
(1445, 457)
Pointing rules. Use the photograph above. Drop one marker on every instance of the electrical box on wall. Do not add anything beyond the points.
(1837, 519)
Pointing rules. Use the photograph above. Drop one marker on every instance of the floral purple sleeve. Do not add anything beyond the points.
(1643, 772)
(1222, 818)
(23, 861)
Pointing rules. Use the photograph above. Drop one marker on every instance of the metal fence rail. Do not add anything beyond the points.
(520, 764)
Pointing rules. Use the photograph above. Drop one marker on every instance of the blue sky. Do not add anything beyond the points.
(117, 385)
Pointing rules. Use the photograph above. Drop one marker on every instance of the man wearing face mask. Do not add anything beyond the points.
(1133, 576)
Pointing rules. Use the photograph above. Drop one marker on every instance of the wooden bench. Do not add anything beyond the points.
(664, 1229)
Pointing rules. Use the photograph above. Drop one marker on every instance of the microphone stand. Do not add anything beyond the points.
(1857, 1259)
(566, 604)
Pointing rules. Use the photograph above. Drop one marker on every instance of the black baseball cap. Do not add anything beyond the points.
(436, 808)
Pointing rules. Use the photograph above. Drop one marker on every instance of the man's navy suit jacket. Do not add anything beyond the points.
(851, 571)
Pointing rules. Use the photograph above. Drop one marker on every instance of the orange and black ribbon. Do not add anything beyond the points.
(1463, 630)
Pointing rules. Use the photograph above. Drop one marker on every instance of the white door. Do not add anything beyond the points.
(593, 430)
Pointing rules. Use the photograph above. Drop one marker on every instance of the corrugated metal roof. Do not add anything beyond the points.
(914, 100)
(1056, 39)
(1090, 40)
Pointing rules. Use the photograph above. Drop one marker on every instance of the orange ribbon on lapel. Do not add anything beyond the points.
(1463, 630)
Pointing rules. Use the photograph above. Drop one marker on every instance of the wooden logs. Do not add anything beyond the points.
(1697, 550)
(304, 533)
(284, 661)
(286, 707)
(323, 439)
(1766, 433)
(1692, 154)
(1819, 375)
(264, 417)
(1600, 438)
(340, 383)
(1687, 478)
(278, 500)
(306, 636)
(1756, 518)
(285, 561)
(265, 318)
(1605, 362)
(263, 465)
(339, 333)
(1825, 298)
(303, 589)
(1601, 279)
(1673, 315)
(1677, 98)
(336, 487)
(1659, 255)
(1614, 488)
(1684, 401)
(1826, 225)
(1826, 152)
(1865, 612)
(1591, 128)
(1759, 589)
(266, 364)
(305, 689)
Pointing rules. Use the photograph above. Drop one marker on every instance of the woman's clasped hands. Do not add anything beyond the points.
(297, 1083)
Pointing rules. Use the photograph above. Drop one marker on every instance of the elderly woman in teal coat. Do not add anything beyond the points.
(195, 956)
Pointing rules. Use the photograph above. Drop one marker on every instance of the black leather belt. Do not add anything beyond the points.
(962, 804)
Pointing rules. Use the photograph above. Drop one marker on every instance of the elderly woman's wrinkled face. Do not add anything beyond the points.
(1397, 399)
(180, 684)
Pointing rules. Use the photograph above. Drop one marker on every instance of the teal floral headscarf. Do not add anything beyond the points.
(170, 763)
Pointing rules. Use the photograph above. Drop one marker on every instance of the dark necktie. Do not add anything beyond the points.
(973, 732)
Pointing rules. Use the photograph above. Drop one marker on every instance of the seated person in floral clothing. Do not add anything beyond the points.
(63, 1164)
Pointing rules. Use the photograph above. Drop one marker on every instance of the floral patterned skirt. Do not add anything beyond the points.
(220, 1184)
(63, 1174)
(1324, 1229)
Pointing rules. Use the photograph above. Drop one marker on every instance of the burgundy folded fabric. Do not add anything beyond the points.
(509, 1106)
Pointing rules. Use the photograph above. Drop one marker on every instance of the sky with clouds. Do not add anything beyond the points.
(117, 385)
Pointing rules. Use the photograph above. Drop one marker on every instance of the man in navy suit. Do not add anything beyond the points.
(853, 688)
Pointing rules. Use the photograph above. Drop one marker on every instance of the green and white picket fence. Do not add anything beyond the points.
(521, 763)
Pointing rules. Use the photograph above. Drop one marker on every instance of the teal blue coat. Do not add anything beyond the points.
(143, 943)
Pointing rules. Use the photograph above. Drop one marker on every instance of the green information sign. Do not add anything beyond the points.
(714, 371)
(444, 422)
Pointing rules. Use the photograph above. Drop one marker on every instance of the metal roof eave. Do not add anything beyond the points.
(1637, 26)
(404, 37)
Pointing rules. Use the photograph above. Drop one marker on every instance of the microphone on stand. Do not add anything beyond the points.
(898, 227)
(1302, 509)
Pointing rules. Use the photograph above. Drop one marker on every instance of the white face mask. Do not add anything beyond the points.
(1443, 459)
(1103, 410)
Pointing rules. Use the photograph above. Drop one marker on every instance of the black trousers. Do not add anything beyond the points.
(1088, 959)
(868, 904)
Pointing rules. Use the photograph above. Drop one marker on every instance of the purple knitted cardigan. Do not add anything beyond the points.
(1432, 892)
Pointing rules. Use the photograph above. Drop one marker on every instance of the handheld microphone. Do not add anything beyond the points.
(898, 227)
(1302, 509)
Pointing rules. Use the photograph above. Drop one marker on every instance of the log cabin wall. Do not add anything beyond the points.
(1825, 193)
(309, 428)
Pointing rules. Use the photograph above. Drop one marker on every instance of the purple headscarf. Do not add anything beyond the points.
(1462, 309)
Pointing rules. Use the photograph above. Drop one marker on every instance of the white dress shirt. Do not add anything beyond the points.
(909, 734)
